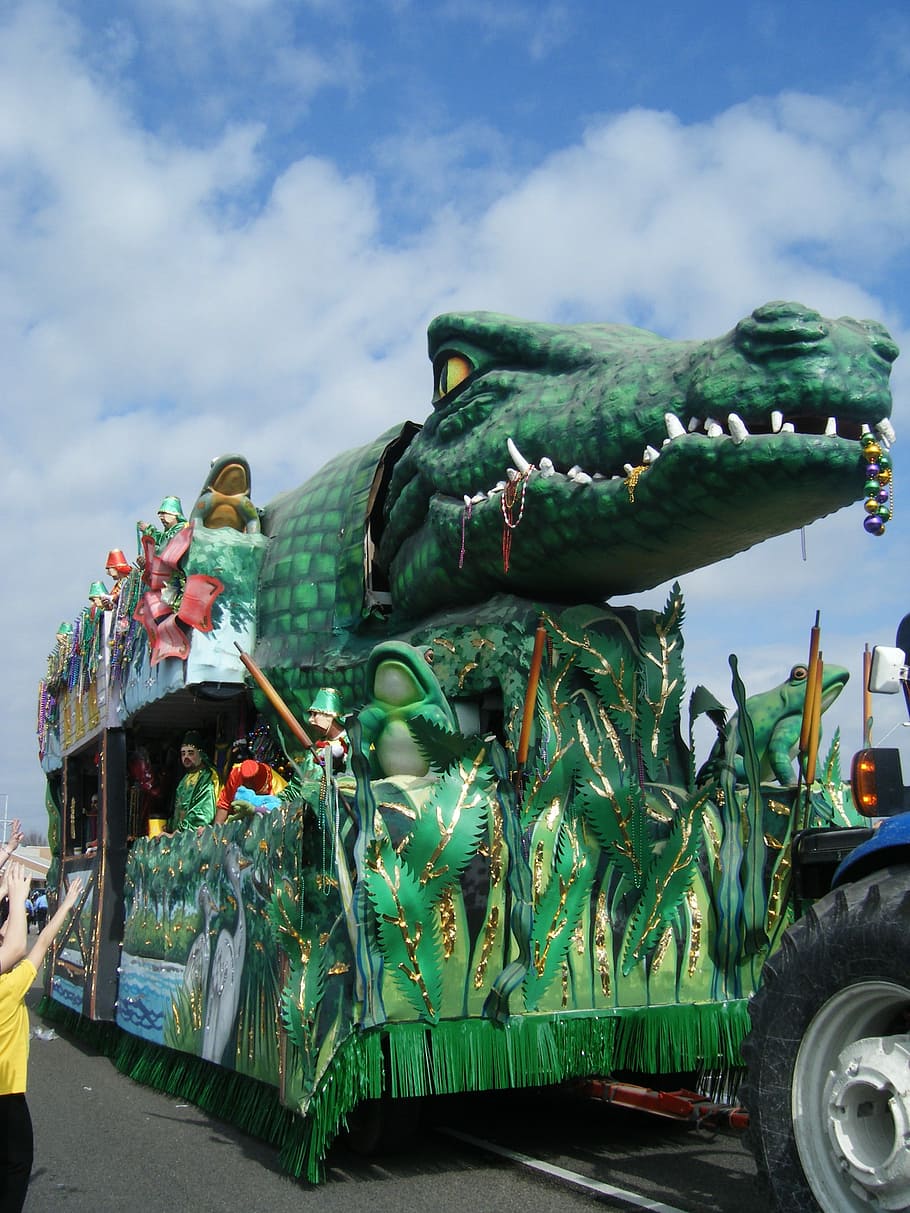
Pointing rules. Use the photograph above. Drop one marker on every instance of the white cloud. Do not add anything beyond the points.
(163, 302)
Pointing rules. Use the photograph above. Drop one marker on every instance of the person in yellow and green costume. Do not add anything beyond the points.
(197, 791)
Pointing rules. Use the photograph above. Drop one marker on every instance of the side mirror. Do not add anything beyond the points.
(888, 670)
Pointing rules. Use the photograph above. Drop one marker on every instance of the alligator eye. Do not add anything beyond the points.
(451, 370)
(799, 673)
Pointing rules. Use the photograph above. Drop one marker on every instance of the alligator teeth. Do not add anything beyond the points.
(831, 427)
(517, 458)
(513, 474)
(579, 475)
(498, 487)
(674, 426)
(737, 426)
(712, 429)
(650, 455)
(777, 420)
(628, 469)
(693, 425)
(788, 428)
(598, 476)
(477, 498)
(467, 501)
(885, 431)
(546, 468)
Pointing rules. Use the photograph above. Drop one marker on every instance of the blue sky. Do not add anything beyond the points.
(225, 224)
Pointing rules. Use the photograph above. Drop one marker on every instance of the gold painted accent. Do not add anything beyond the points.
(777, 899)
(405, 810)
(411, 943)
(468, 798)
(445, 643)
(447, 923)
(602, 942)
(778, 808)
(695, 944)
(559, 922)
(464, 672)
(489, 938)
(338, 968)
(660, 951)
(565, 984)
(711, 831)
(578, 938)
(537, 875)
(496, 843)
(540, 956)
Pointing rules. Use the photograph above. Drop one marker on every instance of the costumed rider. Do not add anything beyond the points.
(328, 755)
(172, 519)
(118, 569)
(197, 791)
(331, 747)
(251, 784)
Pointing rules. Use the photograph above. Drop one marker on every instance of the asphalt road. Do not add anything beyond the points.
(104, 1144)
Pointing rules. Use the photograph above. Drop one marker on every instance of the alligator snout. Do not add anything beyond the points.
(783, 329)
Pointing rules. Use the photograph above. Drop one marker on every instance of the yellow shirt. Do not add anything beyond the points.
(14, 1027)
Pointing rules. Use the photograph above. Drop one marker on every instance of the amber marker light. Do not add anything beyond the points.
(863, 782)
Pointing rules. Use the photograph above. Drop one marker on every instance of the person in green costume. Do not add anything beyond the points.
(172, 519)
(197, 791)
(328, 756)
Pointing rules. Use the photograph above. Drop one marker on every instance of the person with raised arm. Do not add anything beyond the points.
(16, 1138)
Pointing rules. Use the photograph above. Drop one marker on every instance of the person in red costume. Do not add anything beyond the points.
(259, 777)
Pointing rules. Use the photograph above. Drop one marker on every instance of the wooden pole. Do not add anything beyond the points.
(275, 699)
(815, 724)
(527, 715)
(867, 697)
(811, 679)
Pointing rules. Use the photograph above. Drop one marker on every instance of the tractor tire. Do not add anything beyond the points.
(828, 1055)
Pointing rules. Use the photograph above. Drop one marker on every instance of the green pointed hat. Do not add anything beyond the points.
(171, 505)
(327, 700)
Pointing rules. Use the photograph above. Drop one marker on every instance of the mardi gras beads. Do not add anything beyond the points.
(877, 487)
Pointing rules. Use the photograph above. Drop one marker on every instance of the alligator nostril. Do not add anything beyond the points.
(780, 327)
(881, 341)
(782, 312)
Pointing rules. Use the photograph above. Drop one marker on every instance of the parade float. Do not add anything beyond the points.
(517, 872)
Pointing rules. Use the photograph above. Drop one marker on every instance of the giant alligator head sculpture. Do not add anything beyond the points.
(635, 458)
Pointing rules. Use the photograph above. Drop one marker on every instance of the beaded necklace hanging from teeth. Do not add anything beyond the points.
(879, 489)
(514, 492)
(465, 519)
(633, 478)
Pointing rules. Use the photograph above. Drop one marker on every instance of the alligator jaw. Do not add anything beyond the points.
(701, 501)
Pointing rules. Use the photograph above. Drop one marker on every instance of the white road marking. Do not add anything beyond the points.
(573, 1177)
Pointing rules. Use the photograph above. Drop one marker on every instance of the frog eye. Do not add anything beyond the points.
(799, 673)
(450, 370)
